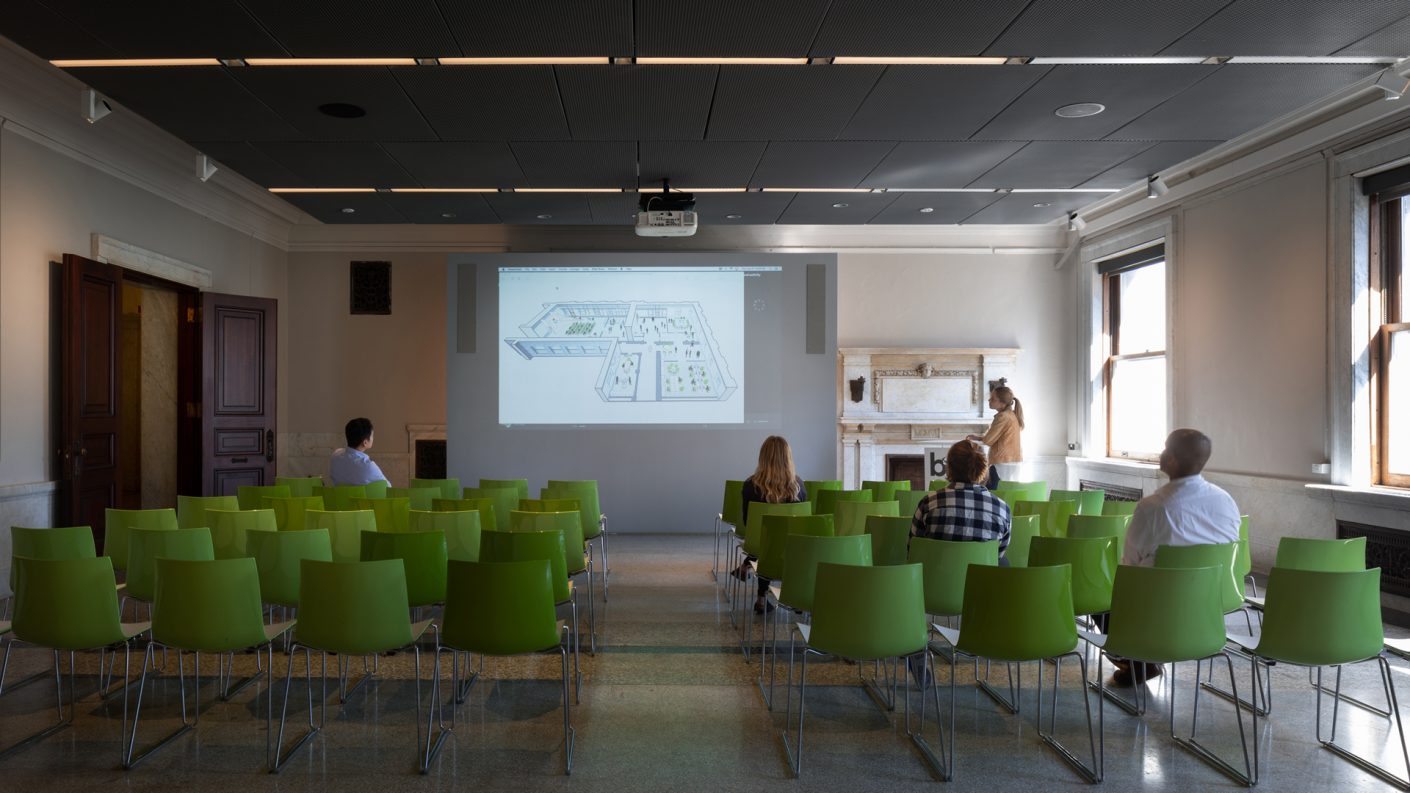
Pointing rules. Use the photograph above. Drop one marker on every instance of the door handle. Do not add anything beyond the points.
(269, 446)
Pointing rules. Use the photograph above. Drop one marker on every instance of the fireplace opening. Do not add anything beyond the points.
(906, 466)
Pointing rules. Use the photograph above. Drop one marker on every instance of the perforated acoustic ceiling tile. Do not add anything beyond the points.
(637, 102)
(752, 209)
(42, 31)
(828, 209)
(1031, 208)
(832, 163)
(538, 209)
(938, 102)
(912, 27)
(727, 28)
(193, 103)
(613, 209)
(339, 163)
(442, 207)
(544, 27)
(1156, 158)
(1058, 163)
(356, 28)
(1288, 27)
(1393, 40)
(170, 28)
(330, 207)
(297, 94)
(787, 102)
(946, 208)
(577, 163)
(488, 102)
(699, 163)
(458, 163)
(251, 163)
(938, 164)
(1101, 27)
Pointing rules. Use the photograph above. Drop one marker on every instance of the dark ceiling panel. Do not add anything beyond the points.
(171, 28)
(727, 28)
(1059, 163)
(457, 164)
(613, 209)
(787, 102)
(297, 93)
(1156, 158)
(577, 163)
(913, 27)
(251, 163)
(1392, 40)
(700, 163)
(938, 164)
(829, 209)
(1032, 208)
(946, 208)
(832, 163)
(1101, 27)
(329, 207)
(1288, 27)
(42, 31)
(442, 207)
(193, 103)
(339, 163)
(938, 102)
(356, 28)
(488, 102)
(552, 28)
(753, 209)
(1127, 91)
(525, 208)
(1240, 97)
(637, 102)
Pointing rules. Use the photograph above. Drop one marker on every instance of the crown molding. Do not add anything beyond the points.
(41, 103)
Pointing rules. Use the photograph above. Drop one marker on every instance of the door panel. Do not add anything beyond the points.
(89, 436)
(238, 392)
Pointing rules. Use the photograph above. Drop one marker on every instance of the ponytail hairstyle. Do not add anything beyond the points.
(1010, 402)
(775, 477)
(965, 462)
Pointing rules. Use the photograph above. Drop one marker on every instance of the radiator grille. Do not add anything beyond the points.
(1388, 549)
(1113, 492)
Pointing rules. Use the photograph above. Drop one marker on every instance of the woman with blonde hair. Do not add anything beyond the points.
(774, 481)
(1005, 450)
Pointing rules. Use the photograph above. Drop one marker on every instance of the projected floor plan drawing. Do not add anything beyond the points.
(653, 351)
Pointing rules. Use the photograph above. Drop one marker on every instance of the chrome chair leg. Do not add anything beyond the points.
(282, 756)
(64, 719)
(1358, 760)
(942, 764)
(1249, 776)
(1092, 773)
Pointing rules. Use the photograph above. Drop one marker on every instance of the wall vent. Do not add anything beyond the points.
(1113, 492)
(1388, 549)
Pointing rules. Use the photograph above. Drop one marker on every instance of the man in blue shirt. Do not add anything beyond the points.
(351, 465)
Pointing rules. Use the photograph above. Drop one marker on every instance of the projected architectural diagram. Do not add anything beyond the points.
(654, 351)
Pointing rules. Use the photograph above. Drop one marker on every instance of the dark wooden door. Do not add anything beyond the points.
(237, 392)
(90, 392)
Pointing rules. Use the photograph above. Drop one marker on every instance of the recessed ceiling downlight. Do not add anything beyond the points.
(341, 110)
(1041, 204)
(348, 210)
(1079, 110)
(926, 210)
(840, 205)
(544, 216)
(733, 217)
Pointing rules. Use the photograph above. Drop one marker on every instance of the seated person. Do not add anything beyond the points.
(965, 510)
(351, 465)
(774, 481)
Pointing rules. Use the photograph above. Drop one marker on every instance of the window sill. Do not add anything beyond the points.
(1116, 464)
(1385, 497)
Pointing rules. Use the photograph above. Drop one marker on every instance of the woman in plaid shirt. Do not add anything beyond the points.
(965, 510)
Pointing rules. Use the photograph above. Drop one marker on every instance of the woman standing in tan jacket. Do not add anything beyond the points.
(1005, 450)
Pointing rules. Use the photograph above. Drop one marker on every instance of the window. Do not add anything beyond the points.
(1390, 357)
(1133, 290)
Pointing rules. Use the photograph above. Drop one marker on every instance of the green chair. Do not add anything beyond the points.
(63, 542)
(862, 614)
(1017, 614)
(886, 491)
(1089, 502)
(423, 553)
(1053, 515)
(908, 501)
(1036, 491)
(461, 530)
(419, 497)
(344, 529)
(377, 489)
(752, 544)
(253, 496)
(1219, 555)
(1022, 530)
(890, 537)
(1315, 619)
(520, 486)
(449, 488)
(1093, 561)
(944, 564)
(774, 531)
(393, 514)
(522, 546)
(340, 497)
(827, 500)
(552, 505)
(503, 500)
(1166, 616)
(211, 607)
(1243, 563)
(279, 557)
(813, 486)
(146, 546)
(118, 522)
(191, 510)
(484, 506)
(1101, 526)
(228, 528)
(479, 618)
(67, 605)
(938, 484)
(852, 516)
(291, 514)
(299, 486)
(731, 508)
(1110, 507)
(594, 520)
(355, 608)
(569, 522)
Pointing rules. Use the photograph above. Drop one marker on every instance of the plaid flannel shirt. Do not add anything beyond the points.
(963, 512)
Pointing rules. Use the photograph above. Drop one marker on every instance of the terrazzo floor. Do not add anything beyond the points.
(668, 703)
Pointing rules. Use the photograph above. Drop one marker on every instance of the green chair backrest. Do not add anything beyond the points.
(504, 500)
(851, 516)
(353, 608)
(484, 506)
(732, 506)
(63, 542)
(299, 485)
(424, 554)
(146, 546)
(291, 514)
(1319, 618)
(585, 490)
(551, 505)
(1101, 526)
(340, 497)
(448, 488)
(191, 510)
(815, 485)
(118, 522)
(345, 528)
(569, 523)
(212, 606)
(803, 553)
(1036, 490)
(908, 501)
(520, 486)
(826, 503)
(811, 525)
(419, 497)
(278, 559)
(1328, 556)
(1093, 561)
(945, 564)
(500, 608)
(461, 529)
(1164, 615)
(229, 526)
(377, 489)
(519, 546)
(886, 491)
(1089, 502)
(1243, 560)
(393, 514)
(1052, 515)
(864, 613)
(1022, 530)
(938, 484)
(1110, 507)
(773, 538)
(754, 527)
(253, 496)
(889, 538)
(66, 604)
(1018, 613)
(1219, 555)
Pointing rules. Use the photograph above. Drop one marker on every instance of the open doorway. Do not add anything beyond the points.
(150, 405)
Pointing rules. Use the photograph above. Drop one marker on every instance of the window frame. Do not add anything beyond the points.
(1388, 316)
(1111, 324)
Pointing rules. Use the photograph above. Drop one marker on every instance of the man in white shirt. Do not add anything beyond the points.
(351, 465)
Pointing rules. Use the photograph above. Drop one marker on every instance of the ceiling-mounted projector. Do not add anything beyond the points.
(666, 214)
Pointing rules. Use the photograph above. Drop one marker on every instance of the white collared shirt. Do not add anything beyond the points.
(348, 466)
(1187, 511)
